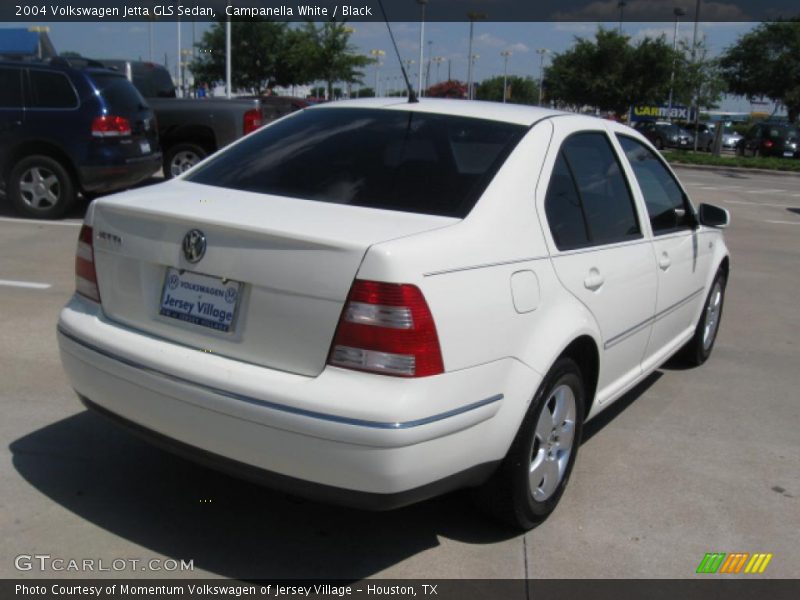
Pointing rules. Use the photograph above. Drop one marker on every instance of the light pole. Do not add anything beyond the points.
(428, 66)
(621, 6)
(376, 56)
(178, 70)
(438, 60)
(228, 68)
(505, 54)
(542, 52)
(472, 60)
(422, 4)
(472, 16)
(678, 12)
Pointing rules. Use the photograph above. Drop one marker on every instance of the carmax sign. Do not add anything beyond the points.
(655, 113)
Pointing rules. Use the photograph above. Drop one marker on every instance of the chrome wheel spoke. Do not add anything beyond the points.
(566, 436)
(545, 480)
(545, 424)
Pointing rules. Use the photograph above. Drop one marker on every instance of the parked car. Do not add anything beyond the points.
(730, 137)
(67, 130)
(440, 301)
(189, 128)
(665, 135)
(770, 139)
(705, 135)
(275, 107)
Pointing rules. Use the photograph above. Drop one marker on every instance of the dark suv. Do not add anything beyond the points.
(770, 139)
(65, 130)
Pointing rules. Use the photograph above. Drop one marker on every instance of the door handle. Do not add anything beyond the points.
(664, 261)
(594, 280)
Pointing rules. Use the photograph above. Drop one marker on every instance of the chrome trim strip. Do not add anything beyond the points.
(638, 327)
(485, 266)
(282, 407)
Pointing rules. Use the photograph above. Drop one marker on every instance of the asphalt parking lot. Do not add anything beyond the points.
(693, 461)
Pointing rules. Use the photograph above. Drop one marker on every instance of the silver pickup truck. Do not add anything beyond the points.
(190, 129)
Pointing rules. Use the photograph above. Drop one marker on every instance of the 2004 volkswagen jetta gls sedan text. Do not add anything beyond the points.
(374, 302)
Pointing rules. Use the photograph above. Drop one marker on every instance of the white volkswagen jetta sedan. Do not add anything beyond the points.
(374, 302)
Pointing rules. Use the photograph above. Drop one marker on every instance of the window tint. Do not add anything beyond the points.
(659, 188)
(51, 90)
(10, 88)
(117, 92)
(389, 159)
(153, 81)
(605, 197)
(563, 208)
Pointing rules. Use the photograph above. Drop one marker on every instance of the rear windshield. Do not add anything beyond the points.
(118, 93)
(389, 159)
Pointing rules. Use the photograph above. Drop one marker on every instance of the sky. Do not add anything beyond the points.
(449, 40)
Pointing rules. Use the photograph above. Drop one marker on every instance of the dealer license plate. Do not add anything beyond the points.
(200, 299)
(788, 154)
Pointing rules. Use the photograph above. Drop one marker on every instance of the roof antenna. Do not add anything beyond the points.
(412, 97)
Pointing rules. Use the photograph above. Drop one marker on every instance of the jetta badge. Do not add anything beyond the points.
(194, 245)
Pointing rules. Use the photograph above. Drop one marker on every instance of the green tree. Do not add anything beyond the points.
(330, 56)
(766, 63)
(521, 90)
(610, 72)
(259, 48)
(701, 76)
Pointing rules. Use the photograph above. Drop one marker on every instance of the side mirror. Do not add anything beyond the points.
(713, 216)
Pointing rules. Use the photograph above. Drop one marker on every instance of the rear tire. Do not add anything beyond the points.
(182, 157)
(531, 479)
(40, 187)
(699, 348)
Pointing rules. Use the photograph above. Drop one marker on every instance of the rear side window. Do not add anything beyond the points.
(662, 194)
(606, 200)
(10, 88)
(563, 208)
(153, 81)
(50, 89)
(117, 92)
(389, 159)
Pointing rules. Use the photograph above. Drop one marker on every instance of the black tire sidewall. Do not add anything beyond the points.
(530, 511)
(65, 182)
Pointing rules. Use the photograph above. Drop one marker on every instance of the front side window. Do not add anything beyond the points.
(378, 158)
(51, 90)
(666, 203)
(10, 88)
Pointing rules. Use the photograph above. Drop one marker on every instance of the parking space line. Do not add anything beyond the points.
(763, 191)
(24, 284)
(784, 222)
(74, 223)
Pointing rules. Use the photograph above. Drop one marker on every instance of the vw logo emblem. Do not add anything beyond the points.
(194, 245)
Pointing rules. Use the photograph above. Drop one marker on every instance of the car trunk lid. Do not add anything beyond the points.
(295, 260)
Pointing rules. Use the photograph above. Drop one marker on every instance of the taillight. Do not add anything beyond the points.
(387, 328)
(252, 120)
(85, 274)
(110, 126)
(768, 144)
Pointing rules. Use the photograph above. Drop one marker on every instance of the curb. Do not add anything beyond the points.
(724, 169)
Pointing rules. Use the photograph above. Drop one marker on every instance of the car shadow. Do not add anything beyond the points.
(794, 210)
(232, 527)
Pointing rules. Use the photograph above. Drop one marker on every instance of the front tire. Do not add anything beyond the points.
(40, 187)
(531, 479)
(699, 348)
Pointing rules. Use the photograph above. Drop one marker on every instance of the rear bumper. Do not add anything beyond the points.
(106, 178)
(345, 437)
